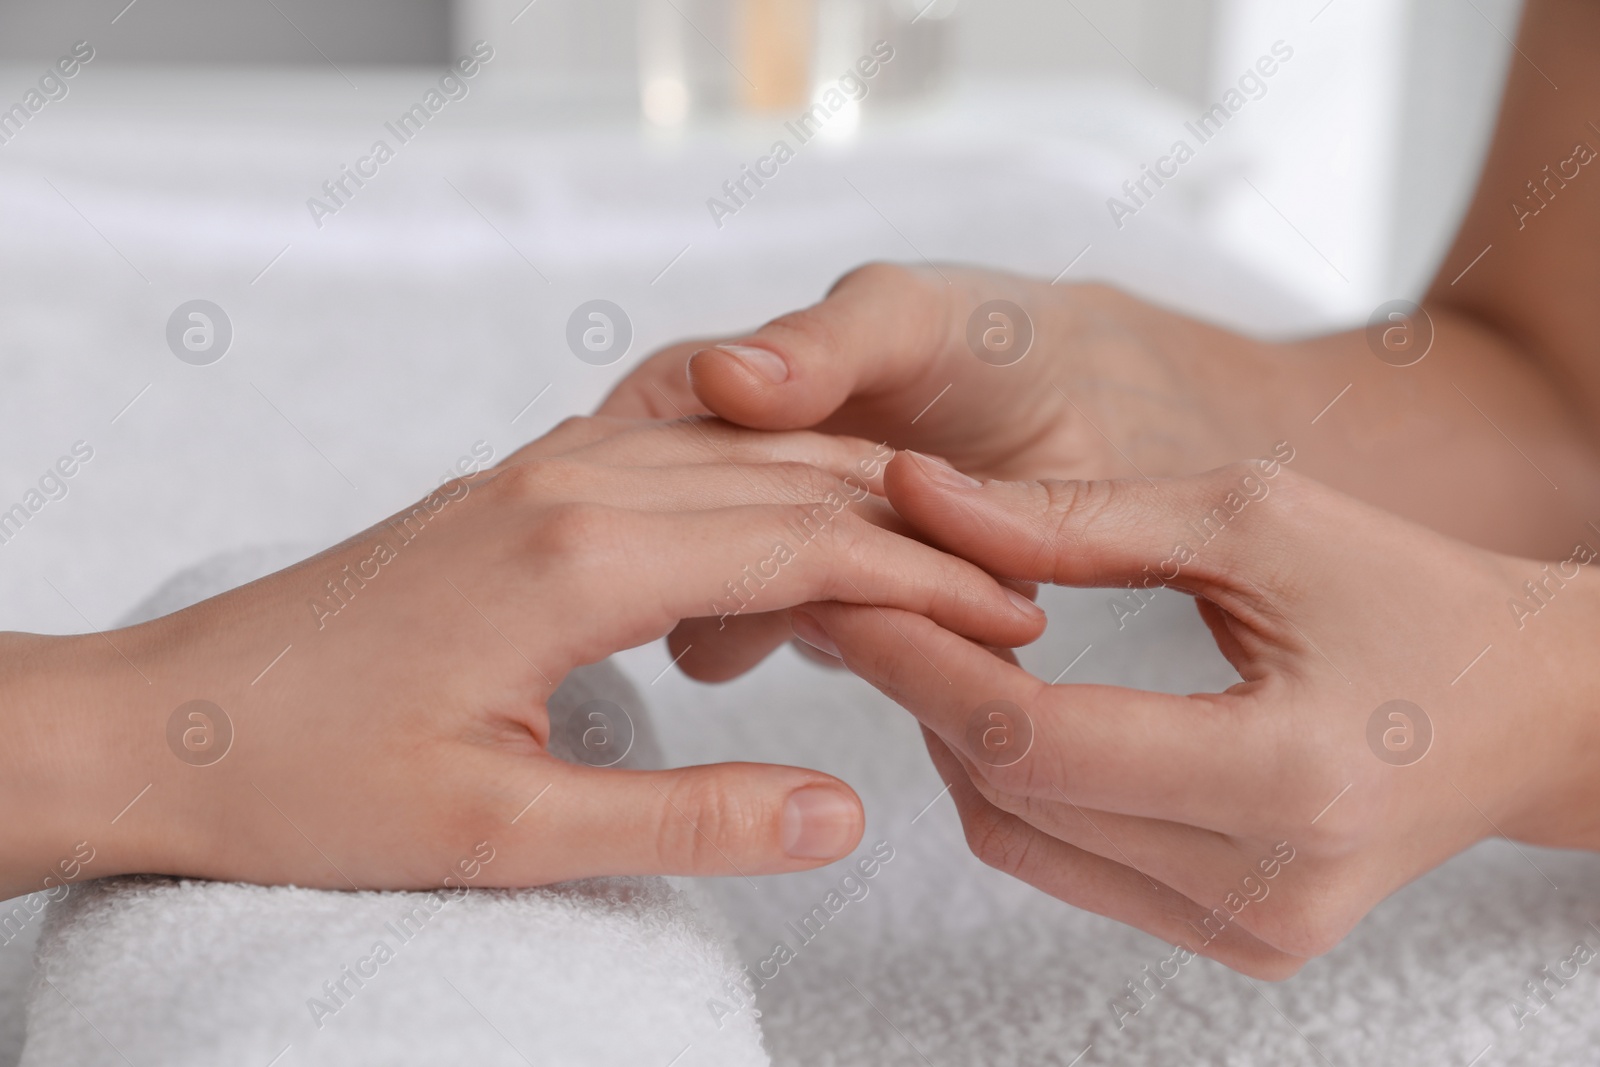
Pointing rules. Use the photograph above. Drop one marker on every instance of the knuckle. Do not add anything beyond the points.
(1025, 780)
(473, 814)
(1298, 508)
(852, 536)
(457, 488)
(1277, 967)
(574, 529)
(575, 424)
(576, 429)
(1347, 826)
(993, 838)
(808, 483)
(703, 824)
(539, 480)
(1073, 508)
(830, 521)
(812, 326)
(891, 670)
(579, 431)
(1247, 483)
(1311, 922)
(1096, 293)
(876, 275)
(1343, 796)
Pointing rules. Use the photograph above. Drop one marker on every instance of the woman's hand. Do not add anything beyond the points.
(1426, 415)
(387, 698)
(1106, 381)
(1403, 696)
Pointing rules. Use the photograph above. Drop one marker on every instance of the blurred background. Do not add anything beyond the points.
(1371, 146)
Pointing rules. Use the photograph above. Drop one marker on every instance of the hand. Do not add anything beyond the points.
(1114, 386)
(1108, 383)
(404, 725)
(1108, 386)
(1257, 825)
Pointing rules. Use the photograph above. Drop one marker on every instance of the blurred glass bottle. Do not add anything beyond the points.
(706, 57)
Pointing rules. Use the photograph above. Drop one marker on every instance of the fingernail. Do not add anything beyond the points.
(819, 823)
(945, 474)
(811, 632)
(765, 362)
(1024, 605)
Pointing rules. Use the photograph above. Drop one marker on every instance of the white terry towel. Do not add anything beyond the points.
(160, 971)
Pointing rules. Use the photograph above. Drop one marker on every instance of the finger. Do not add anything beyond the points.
(879, 328)
(1195, 760)
(1186, 532)
(714, 442)
(1205, 866)
(806, 552)
(721, 649)
(659, 387)
(712, 650)
(875, 357)
(816, 655)
(1097, 884)
(702, 487)
(717, 650)
(734, 561)
(738, 819)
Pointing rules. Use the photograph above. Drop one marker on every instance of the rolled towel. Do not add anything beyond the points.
(154, 970)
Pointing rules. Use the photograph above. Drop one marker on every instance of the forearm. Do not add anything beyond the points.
(1494, 436)
(1475, 440)
(1553, 686)
(1525, 259)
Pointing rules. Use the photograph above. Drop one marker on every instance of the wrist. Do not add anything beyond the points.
(1558, 805)
(59, 765)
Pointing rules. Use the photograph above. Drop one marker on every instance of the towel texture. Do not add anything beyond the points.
(167, 971)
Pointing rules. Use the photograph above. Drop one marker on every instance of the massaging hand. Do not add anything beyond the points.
(889, 341)
(1113, 387)
(1258, 825)
(406, 723)
(1413, 417)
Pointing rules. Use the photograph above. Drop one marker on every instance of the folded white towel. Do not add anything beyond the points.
(165, 971)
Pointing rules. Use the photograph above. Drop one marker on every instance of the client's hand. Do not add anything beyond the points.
(1403, 696)
(386, 700)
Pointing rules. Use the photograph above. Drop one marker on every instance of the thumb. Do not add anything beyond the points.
(736, 819)
(880, 329)
(1193, 532)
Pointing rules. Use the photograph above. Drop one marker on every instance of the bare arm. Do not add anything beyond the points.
(1537, 208)
(1492, 437)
